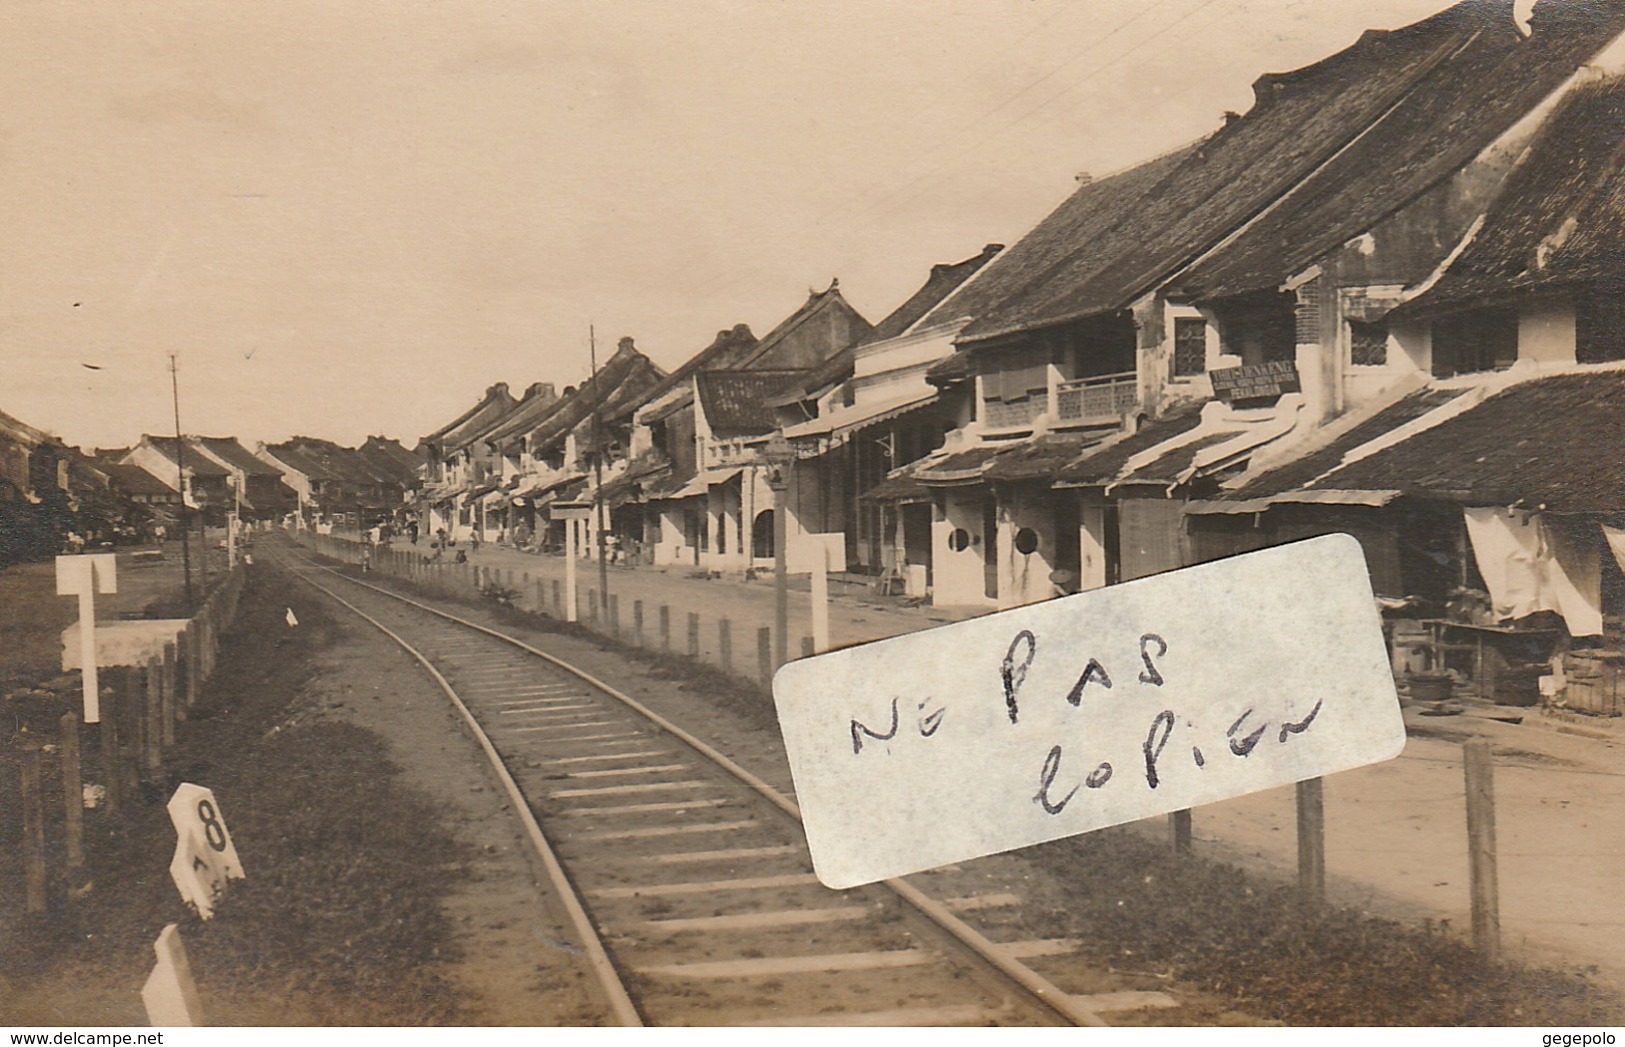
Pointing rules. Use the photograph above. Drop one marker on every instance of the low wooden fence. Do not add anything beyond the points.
(76, 787)
(648, 627)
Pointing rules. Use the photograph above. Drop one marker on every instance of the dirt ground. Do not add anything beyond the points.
(386, 884)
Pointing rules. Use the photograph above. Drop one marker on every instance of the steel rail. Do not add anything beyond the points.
(609, 977)
(1030, 981)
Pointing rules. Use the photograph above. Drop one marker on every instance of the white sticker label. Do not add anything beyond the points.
(1092, 710)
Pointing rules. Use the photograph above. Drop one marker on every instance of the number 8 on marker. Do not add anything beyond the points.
(213, 831)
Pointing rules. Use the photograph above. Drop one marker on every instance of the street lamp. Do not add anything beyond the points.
(779, 456)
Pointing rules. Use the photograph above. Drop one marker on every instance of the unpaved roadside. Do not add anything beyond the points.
(517, 962)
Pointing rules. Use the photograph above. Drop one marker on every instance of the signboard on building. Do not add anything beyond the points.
(1257, 382)
(570, 510)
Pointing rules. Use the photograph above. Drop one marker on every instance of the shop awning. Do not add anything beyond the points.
(700, 484)
(839, 425)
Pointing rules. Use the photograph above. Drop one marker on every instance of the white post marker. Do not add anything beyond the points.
(571, 513)
(569, 570)
(82, 576)
(1105, 707)
(170, 994)
(820, 597)
(205, 858)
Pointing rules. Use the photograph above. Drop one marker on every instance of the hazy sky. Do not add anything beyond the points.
(351, 217)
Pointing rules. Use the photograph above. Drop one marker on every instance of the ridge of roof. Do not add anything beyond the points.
(1558, 217)
(729, 342)
(1302, 119)
(626, 366)
(496, 395)
(944, 279)
(1463, 105)
(738, 401)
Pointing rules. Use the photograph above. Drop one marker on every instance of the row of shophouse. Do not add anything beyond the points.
(1389, 300)
(49, 490)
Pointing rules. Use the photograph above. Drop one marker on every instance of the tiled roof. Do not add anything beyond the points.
(1101, 465)
(1560, 217)
(227, 448)
(1300, 471)
(959, 467)
(468, 426)
(196, 463)
(951, 370)
(944, 280)
(736, 402)
(1039, 458)
(1085, 218)
(1550, 441)
(299, 460)
(627, 375)
(1185, 204)
(726, 350)
(1464, 103)
(823, 325)
(22, 432)
(132, 479)
(1171, 467)
(902, 485)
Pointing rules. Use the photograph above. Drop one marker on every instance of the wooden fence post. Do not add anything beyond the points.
(112, 706)
(33, 831)
(558, 599)
(171, 693)
(665, 628)
(152, 723)
(693, 634)
(1311, 842)
(725, 641)
(612, 604)
(592, 605)
(73, 798)
(1179, 830)
(1478, 767)
(185, 648)
(637, 622)
(764, 654)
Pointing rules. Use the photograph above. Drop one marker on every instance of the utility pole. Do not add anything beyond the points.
(598, 464)
(180, 468)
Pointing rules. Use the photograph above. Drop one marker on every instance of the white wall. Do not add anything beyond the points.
(957, 576)
(1546, 332)
(1024, 578)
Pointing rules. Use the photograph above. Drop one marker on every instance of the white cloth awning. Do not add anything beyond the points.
(704, 482)
(839, 424)
(1531, 564)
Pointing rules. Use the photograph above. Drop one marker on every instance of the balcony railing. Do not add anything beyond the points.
(1017, 415)
(1099, 399)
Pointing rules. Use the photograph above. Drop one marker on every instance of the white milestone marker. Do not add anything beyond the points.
(1109, 706)
(83, 576)
(170, 995)
(205, 858)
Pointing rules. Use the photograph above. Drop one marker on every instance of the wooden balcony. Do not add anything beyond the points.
(1097, 400)
(1017, 415)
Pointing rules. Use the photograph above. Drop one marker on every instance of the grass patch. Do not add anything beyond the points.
(338, 922)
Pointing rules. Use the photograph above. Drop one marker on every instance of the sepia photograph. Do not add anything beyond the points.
(979, 513)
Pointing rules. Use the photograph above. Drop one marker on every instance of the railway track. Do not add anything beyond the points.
(687, 877)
